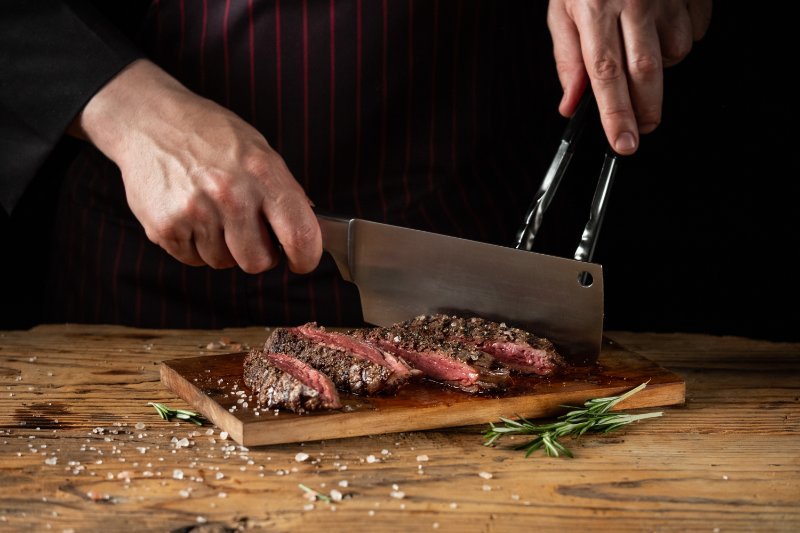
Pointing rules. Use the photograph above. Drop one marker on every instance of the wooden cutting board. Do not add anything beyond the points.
(210, 384)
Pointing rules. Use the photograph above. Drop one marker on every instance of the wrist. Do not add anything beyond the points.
(115, 113)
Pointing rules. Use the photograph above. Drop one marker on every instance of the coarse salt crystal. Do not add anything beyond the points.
(184, 493)
(223, 435)
(209, 432)
(397, 494)
(343, 483)
(336, 495)
(384, 452)
(300, 457)
(487, 488)
(372, 459)
(395, 486)
(222, 495)
(177, 474)
(201, 520)
(219, 475)
(139, 425)
(422, 458)
(308, 507)
(485, 475)
(51, 460)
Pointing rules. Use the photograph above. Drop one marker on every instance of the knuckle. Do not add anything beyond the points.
(650, 117)
(221, 190)
(163, 230)
(261, 163)
(302, 236)
(258, 264)
(567, 69)
(644, 66)
(606, 69)
(676, 49)
(614, 112)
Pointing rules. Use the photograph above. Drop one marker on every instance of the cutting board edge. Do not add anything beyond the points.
(203, 403)
(548, 404)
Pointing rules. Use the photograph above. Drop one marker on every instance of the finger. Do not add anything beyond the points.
(675, 34)
(603, 57)
(250, 244)
(645, 72)
(175, 240)
(298, 231)
(183, 251)
(212, 248)
(293, 221)
(700, 14)
(567, 53)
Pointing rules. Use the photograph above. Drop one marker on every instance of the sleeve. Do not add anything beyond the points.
(54, 56)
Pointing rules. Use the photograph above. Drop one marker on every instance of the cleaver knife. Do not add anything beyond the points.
(401, 273)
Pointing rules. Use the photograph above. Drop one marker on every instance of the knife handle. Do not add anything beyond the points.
(336, 241)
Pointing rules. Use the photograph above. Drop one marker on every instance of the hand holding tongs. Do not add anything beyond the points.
(558, 167)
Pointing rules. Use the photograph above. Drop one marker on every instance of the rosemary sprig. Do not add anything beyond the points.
(167, 413)
(317, 494)
(594, 416)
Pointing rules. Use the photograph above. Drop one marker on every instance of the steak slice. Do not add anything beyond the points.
(282, 381)
(517, 349)
(450, 362)
(348, 371)
(358, 347)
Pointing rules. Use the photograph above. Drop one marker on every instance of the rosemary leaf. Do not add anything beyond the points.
(317, 494)
(593, 416)
(168, 413)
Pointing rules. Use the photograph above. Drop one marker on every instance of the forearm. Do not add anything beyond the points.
(55, 56)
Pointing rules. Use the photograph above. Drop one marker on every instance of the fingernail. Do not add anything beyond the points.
(625, 142)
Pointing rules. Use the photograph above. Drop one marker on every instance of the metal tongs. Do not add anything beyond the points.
(558, 167)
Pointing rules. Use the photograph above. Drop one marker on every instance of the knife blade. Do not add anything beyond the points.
(401, 273)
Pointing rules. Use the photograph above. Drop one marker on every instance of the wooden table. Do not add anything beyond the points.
(80, 450)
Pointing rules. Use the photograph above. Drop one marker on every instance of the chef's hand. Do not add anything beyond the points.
(202, 182)
(623, 46)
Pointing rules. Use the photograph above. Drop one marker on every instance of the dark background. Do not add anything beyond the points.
(700, 232)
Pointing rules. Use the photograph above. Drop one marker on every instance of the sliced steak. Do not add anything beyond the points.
(284, 382)
(359, 348)
(517, 349)
(449, 362)
(348, 371)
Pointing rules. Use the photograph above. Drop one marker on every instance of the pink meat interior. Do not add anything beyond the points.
(355, 346)
(307, 376)
(516, 355)
(434, 365)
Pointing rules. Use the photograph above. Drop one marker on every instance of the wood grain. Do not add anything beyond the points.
(727, 460)
(214, 386)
